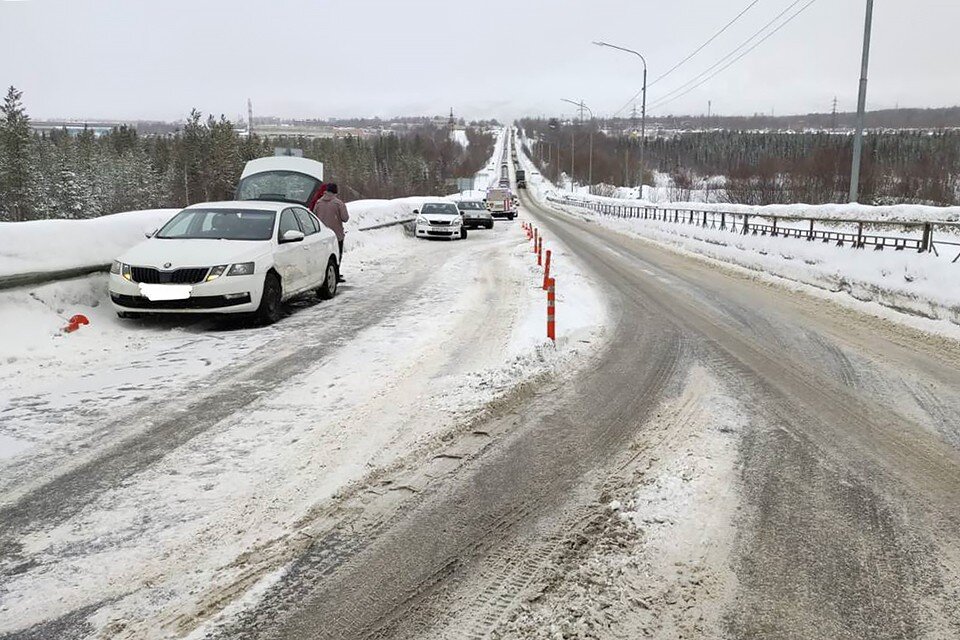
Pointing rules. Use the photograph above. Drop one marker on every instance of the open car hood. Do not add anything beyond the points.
(281, 179)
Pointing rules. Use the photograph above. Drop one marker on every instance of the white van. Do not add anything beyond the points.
(501, 203)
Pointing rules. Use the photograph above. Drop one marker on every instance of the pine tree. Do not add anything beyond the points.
(16, 162)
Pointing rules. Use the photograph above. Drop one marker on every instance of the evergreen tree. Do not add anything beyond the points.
(16, 165)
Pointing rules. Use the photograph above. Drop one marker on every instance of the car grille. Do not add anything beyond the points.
(149, 275)
(439, 233)
(439, 223)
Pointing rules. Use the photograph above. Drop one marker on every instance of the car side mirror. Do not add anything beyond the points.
(417, 211)
(292, 236)
(149, 233)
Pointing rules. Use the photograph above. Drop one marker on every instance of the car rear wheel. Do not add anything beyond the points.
(330, 282)
(271, 305)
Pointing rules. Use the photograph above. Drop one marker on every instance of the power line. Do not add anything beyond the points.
(687, 59)
(703, 46)
(670, 97)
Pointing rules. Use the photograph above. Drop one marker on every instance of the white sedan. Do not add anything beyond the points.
(440, 220)
(227, 257)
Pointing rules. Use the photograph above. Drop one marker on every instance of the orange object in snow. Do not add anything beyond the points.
(79, 319)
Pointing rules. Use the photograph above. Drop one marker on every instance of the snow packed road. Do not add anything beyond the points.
(702, 455)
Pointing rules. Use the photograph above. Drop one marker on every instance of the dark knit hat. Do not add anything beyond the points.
(332, 187)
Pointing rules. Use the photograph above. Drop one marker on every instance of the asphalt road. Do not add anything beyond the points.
(849, 472)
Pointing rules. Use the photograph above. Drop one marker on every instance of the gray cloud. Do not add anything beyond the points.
(123, 58)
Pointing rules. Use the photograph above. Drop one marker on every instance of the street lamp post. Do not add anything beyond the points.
(643, 109)
(583, 106)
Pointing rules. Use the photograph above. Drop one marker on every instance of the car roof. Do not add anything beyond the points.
(244, 204)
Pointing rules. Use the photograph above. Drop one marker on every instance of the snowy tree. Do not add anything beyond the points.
(16, 162)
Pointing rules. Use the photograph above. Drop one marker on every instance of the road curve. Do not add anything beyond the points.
(849, 472)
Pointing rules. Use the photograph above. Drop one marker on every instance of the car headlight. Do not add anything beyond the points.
(115, 267)
(216, 272)
(125, 272)
(241, 269)
(422, 220)
(457, 221)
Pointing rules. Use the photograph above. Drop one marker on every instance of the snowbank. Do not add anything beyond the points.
(919, 285)
(44, 246)
(53, 245)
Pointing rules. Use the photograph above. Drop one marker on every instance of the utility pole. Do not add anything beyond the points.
(249, 117)
(861, 107)
(573, 154)
(582, 106)
(833, 117)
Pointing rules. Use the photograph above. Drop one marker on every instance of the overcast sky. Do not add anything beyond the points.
(155, 59)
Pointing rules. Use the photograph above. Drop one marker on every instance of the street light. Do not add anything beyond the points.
(583, 106)
(643, 110)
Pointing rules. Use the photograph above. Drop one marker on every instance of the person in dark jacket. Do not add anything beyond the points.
(332, 212)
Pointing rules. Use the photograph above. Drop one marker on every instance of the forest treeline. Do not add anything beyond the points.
(59, 174)
(920, 167)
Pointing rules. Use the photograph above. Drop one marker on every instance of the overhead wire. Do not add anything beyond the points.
(690, 56)
(670, 97)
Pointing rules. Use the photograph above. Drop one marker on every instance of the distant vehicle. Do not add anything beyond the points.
(247, 256)
(475, 215)
(440, 220)
(521, 179)
(501, 203)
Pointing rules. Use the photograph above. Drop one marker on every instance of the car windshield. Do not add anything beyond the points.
(219, 224)
(470, 205)
(287, 186)
(447, 208)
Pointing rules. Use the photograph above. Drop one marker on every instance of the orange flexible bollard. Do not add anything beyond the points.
(546, 271)
(536, 235)
(540, 254)
(552, 309)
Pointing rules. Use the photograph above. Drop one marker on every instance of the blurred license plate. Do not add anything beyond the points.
(155, 292)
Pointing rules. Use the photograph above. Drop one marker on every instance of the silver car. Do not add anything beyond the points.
(475, 214)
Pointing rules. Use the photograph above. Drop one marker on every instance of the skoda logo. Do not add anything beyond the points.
(167, 265)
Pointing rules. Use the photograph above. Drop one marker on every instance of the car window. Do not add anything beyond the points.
(277, 185)
(288, 222)
(440, 207)
(220, 224)
(307, 223)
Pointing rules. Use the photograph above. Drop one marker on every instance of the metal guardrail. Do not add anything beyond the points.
(43, 277)
(922, 237)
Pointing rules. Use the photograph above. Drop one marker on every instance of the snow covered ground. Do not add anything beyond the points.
(897, 284)
(433, 331)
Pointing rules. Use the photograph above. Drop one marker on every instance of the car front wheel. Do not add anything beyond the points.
(330, 281)
(463, 233)
(271, 306)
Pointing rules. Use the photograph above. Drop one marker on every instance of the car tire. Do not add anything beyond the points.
(463, 233)
(331, 281)
(489, 225)
(271, 301)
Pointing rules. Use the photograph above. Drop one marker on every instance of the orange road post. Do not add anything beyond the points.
(546, 271)
(551, 309)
